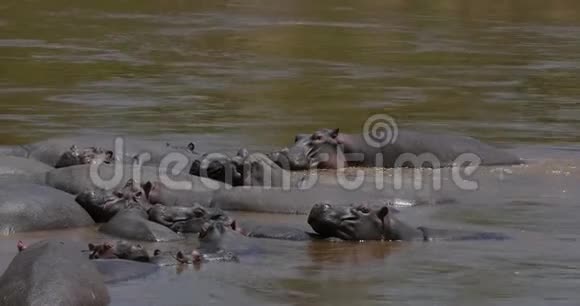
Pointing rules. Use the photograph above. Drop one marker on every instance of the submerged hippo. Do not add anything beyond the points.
(102, 204)
(120, 250)
(186, 219)
(75, 156)
(53, 151)
(328, 148)
(364, 223)
(360, 223)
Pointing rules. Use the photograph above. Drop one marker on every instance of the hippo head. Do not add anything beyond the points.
(122, 250)
(198, 217)
(90, 155)
(130, 196)
(214, 230)
(319, 150)
(294, 157)
(219, 167)
(102, 205)
(351, 223)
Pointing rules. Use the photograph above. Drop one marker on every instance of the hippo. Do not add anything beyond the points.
(102, 204)
(220, 242)
(186, 219)
(360, 222)
(159, 193)
(124, 251)
(274, 231)
(331, 149)
(120, 250)
(16, 150)
(300, 201)
(89, 155)
(32, 207)
(53, 272)
(295, 157)
(133, 224)
(244, 169)
(22, 170)
(79, 178)
(52, 150)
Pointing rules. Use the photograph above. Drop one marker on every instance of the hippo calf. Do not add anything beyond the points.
(331, 149)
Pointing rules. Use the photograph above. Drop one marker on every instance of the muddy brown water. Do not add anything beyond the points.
(258, 72)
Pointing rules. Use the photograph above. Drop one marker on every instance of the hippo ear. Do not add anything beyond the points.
(383, 212)
(234, 226)
(334, 133)
(147, 188)
(299, 137)
(191, 147)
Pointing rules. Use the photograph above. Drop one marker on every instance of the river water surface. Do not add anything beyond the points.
(506, 72)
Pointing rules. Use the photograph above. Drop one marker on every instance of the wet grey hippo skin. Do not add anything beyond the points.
(75, 156)
(294, 157)
(244, 169)
(53, 272)
(298, 201)
(157, 192)
(360, 223)
(77, 179)
(274, 231)
(30, 207)
(133, 224)
(102, 204)
(186, 219)
(22, 170)
(118, 250)
(17, 151)
(51, 150)
(327, 148)
(218, 241)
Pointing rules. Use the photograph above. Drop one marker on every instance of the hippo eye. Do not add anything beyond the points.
(315, 137)
(364, 209)
(198, 213)
(138, 194)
